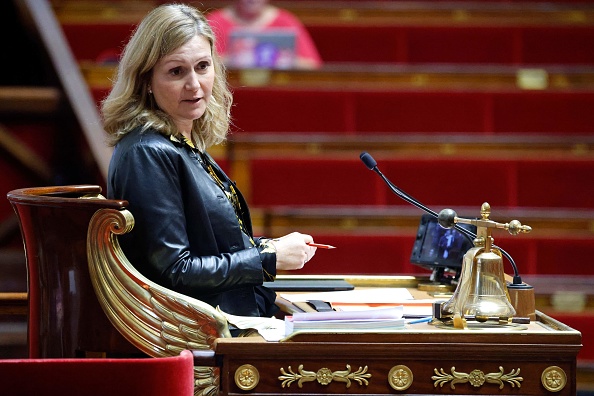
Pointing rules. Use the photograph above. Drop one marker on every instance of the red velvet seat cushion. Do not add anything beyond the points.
(98, 377)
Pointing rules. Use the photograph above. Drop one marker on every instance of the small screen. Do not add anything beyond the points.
(436, 246)
(271, 49)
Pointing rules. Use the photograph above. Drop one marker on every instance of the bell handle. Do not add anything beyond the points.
(514, 227)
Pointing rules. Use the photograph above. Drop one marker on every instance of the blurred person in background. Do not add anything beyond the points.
(257, 34)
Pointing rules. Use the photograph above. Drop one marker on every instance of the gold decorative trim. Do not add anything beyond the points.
(324, 376)
(206, 381)
(400, 377)
(477, 378)
(553, 378)
(247, 377)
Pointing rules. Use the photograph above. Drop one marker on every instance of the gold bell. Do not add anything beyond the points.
(482, 292)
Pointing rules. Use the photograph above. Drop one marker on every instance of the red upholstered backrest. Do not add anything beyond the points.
(453, 181)
(361, 111)
(442, 182)
(291, 110)
(550, 183)
(306, 182)
(170, 376)
(421, 111)
(462, 44)
(90, 41)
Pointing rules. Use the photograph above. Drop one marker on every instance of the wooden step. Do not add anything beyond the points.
(278, 220)
(29, 100)
(365, 76)
(244, 146)
(358, 12)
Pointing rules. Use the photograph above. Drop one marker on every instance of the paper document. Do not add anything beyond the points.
(372, 313)
(271, 329)
(357, 296)
(369, 319)
(362, 299)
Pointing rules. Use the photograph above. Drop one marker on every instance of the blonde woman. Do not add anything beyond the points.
(169, 103)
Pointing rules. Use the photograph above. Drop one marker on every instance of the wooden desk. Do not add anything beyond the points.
(423, 359)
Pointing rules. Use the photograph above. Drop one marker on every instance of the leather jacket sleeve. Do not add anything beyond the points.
(186, 235)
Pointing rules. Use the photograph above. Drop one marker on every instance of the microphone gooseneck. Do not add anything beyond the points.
(445, 218)
(372, 165)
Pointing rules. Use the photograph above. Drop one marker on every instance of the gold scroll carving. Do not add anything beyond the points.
(324, 376)
(477, 378)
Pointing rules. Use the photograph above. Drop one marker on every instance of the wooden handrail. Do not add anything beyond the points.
(277, 220)
(242, 146)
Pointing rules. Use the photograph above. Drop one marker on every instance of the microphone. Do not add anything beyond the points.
(445, 218)
(371, 164)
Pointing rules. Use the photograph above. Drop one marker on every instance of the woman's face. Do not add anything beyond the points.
(182, 82)
(250, 8)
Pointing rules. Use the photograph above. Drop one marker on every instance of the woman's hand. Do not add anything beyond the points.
(292, 251)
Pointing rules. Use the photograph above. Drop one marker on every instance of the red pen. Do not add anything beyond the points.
(320, 245)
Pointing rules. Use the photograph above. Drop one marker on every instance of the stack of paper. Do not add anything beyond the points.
(365, 320)
(364, 299)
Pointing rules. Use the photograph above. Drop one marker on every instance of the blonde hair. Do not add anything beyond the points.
(129, 105)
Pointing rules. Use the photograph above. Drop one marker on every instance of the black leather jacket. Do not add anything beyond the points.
(187, 236)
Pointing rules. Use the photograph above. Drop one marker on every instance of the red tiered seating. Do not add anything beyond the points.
(313, 182)
(389, 254)
(452, 181)
(504, 45)
(404, 111)
(507, 45)
(91, 41)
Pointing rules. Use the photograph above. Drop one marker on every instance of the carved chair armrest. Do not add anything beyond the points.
(158, 321)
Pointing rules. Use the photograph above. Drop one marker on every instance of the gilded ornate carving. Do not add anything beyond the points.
(553, 378)
(206, 381)
(477, 378)
(400, 377)
(324, 376)
(158, 321)
(247, 377)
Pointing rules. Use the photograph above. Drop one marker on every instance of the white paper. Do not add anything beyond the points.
(271, 329)
(358, 296)
(366, 314)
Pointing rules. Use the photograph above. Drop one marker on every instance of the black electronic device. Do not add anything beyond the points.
(440, 250)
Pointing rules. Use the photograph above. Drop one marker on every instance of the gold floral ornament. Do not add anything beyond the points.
(477, 378)
(247, 377)
(400, 377)
(324, 376)
(553, 378)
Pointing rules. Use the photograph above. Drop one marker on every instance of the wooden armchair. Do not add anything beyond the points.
(85, 296)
